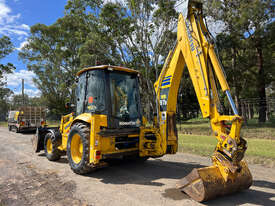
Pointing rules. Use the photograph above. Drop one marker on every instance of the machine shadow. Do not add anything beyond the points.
(266, 184)
(148, 173)
(63, 160)
(28, 132)
(249, 196)
(143, 173)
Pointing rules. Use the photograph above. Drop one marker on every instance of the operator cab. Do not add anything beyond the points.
(111, 91)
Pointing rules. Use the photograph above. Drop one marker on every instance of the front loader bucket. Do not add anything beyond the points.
(207, 183)
(38, 139)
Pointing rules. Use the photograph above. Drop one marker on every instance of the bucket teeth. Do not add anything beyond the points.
(207, 183)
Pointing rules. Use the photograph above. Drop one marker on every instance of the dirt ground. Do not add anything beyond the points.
(27, 178)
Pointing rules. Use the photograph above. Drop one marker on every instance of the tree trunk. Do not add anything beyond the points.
(244, 112)
(261, 85)
(267, 112)
(249, 111)
(234, 82)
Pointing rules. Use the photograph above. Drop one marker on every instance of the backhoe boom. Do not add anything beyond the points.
(195, 49)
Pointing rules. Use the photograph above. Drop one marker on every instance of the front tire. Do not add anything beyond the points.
(78, 148)
(51, 147)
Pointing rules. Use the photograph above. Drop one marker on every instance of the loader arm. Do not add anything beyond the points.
(195, 49)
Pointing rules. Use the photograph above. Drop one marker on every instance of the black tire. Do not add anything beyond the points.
(81, 130)
(14, 129)
(9, 128)
(54, 154)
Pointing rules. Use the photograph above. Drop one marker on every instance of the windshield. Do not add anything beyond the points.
(124, 96)
(95, 99)
(91, 92)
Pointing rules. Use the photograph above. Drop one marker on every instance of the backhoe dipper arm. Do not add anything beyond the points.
(195, 49)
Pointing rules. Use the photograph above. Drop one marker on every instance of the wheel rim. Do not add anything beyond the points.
(76, 148)
(49, 146)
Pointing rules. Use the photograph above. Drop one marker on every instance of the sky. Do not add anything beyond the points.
(16, 18)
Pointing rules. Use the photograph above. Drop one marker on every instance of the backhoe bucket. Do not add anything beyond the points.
(207, 183)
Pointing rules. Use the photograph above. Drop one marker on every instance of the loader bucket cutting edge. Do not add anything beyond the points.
(207, 183)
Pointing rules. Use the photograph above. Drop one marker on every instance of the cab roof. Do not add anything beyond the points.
(110, 67)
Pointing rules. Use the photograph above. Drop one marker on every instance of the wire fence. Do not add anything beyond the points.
(249, 108)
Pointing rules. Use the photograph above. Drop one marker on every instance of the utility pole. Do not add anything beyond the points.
(23, 92)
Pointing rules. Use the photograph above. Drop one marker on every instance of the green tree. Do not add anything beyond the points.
(6, 47)
(17, 101)
(134, 34)
(143, 32)
(269, 55)
(247, 20)
(53, 53)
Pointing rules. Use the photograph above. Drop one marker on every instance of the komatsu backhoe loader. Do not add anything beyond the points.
(108, 122)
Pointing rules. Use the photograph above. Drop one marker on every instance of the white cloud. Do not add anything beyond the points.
(25, 26)
(32, 92)
(22, 44)
(114, 1)
(215, 27)
(15, 79)
(107, 1)
(8, 22)
(4, 11)
(29, 92)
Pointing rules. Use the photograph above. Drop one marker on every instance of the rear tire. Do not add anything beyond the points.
(9, 128)
(51, 147)
(78, 152)
(14, 129)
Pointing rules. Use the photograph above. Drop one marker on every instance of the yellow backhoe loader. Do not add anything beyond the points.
(108, 122)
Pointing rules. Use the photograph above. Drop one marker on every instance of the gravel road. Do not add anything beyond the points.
(27, 178)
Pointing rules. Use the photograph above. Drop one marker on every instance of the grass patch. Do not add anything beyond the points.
(3, 124)
(201, 145)
(259, 150)
(252, 129)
